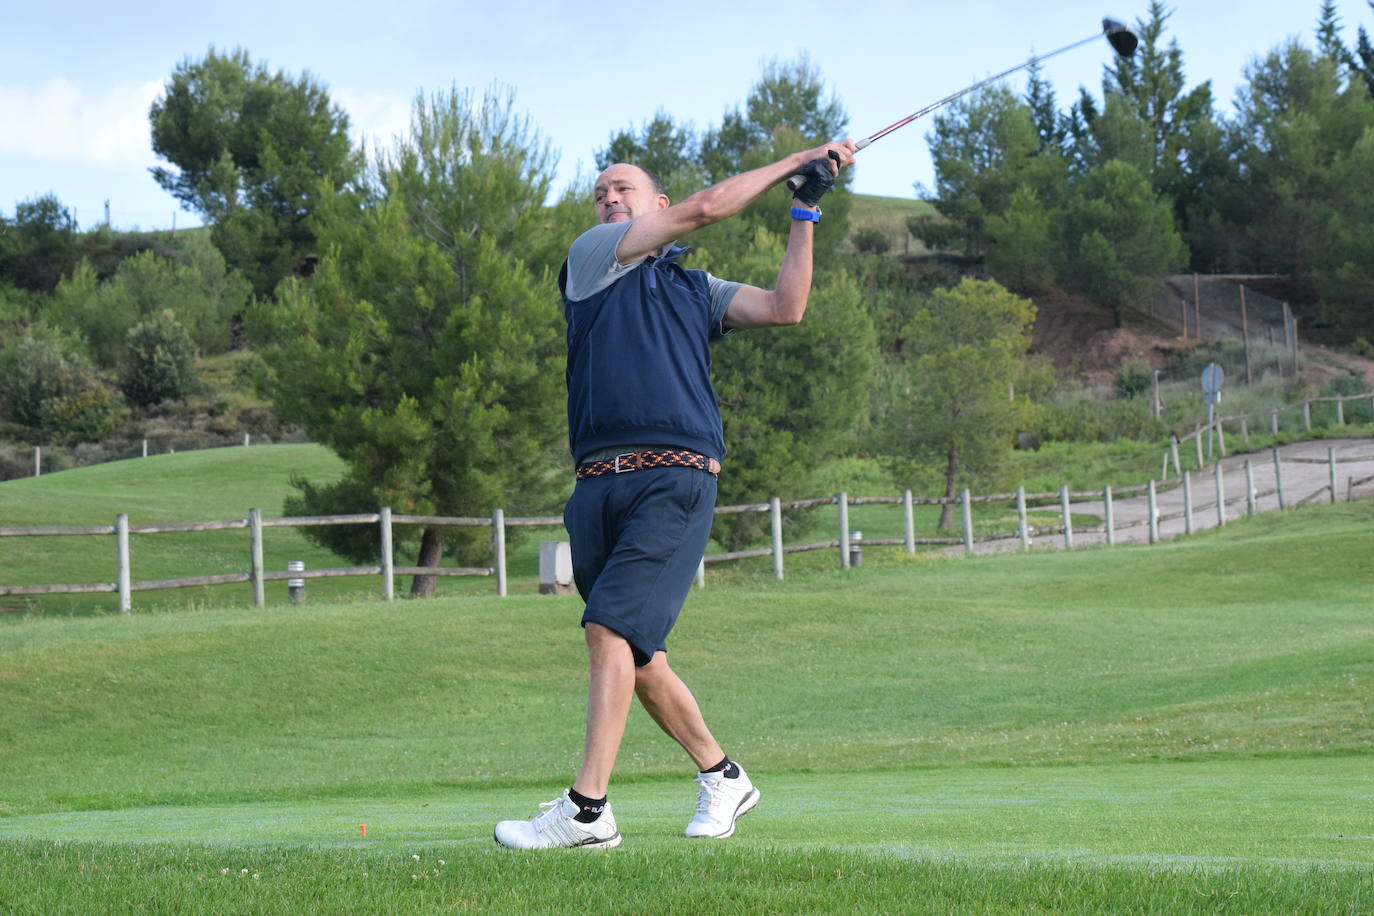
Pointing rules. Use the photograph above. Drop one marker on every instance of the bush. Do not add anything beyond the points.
(160, 364)
(871, 241)
(88, 410)
(1082, 419)
(1132, 379)
(46, 365)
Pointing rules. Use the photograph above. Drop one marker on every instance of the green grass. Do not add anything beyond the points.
(1180, 728)
(888, 215)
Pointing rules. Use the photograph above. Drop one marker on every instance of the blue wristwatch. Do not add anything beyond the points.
(803, 213)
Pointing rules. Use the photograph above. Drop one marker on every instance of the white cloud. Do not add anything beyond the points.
(375, 117)
(60, 120)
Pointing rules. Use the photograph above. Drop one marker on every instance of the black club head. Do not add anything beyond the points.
(1122, 39)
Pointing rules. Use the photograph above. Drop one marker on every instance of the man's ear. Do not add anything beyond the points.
(663, 202)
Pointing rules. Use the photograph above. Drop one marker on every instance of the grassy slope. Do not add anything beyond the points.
(888, 215)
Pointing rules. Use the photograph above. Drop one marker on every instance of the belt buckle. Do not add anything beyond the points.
(638, 464)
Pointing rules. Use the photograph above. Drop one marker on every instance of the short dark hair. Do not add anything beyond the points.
(653, 179)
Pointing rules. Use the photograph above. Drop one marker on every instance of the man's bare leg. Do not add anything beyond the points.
(671, 704)
(610, 688)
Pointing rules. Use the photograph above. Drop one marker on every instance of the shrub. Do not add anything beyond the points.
(42, 364)
(1132, 379)
(88, 410)
(160, 364)
(871, 241)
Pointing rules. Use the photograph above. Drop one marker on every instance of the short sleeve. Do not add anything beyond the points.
(591, 260)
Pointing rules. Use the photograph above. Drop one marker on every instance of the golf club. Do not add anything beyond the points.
(1121, 38)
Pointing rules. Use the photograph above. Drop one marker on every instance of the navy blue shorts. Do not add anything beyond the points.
(636, 542)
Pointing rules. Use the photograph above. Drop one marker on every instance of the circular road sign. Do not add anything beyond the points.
(1212, 377)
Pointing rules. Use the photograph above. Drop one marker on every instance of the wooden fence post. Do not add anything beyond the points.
(967, 513)
(1249, 488)
(842, 500)
(1221, 497)
(1245, 430)
(1307, 415)
(1331, 464)
(37, 460)
(1340, 411)
(1187, 503)
(1245, 334)
(775, 521)
(1064, 514)
(1274, 420)
(1108, 515)
(255, 551)
(498, 535)
(1153, 504)
(1197, 440)
(388, 555)
(122, 563)
(1221, 439)
(909, 523)
(1278, 477)
(1022, 527)
(1173, 453)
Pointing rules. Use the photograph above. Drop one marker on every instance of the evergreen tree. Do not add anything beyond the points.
(1119, 237)
(425, 350)
(947, 400)
(253, 151)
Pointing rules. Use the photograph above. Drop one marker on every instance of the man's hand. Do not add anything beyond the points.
(818, 178)
(822, 165)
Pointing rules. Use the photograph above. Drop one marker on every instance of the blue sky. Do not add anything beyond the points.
(76, 78)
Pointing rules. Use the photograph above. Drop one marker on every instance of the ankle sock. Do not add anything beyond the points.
(589, 809)
(726, 766)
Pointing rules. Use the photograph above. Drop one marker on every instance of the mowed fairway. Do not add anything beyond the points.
(1180, 728)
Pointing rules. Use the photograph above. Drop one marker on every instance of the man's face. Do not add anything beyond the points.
(623, 192)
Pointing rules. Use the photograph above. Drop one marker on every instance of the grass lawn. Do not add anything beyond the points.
(1180, 728)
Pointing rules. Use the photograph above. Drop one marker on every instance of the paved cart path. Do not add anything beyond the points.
(1301, 480)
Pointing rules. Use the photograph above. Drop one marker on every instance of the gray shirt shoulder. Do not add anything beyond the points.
(592, 267)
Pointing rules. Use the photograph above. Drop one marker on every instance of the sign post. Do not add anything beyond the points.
(1212, 379)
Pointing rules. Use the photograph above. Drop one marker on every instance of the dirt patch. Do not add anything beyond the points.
(1082, 341)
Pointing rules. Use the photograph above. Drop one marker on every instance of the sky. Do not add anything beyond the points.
(77, 78)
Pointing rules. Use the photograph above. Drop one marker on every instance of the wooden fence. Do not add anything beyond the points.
(1216, 430)
(847, 543)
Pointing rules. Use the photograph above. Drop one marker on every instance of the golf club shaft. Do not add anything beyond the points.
(796, 181)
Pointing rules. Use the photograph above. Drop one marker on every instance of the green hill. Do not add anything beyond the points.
(888, 215)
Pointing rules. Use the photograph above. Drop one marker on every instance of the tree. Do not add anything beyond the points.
(424, 350)
(39, 245)
(191, 282)
(1120, 240)
(947, 400)
(984, 148)
(253, 152)
(46, 382)
(160, 363)
(790, 398)
(1022, 244)
(668, 150)
(1299, 122)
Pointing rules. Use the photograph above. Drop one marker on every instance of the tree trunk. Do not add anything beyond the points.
(951, 471)
(431, 552)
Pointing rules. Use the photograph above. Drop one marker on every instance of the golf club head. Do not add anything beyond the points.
(1122, 39)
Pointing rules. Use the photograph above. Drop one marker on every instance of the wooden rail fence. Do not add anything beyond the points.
(847, 542)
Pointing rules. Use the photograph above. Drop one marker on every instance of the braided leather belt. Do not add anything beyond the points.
(646, 460)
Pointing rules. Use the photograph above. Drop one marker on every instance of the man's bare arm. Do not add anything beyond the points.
(651, 231)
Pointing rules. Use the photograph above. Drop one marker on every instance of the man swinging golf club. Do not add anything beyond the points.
(646, 437)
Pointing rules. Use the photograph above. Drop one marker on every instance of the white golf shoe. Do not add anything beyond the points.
(555, 828)
(720, 802)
